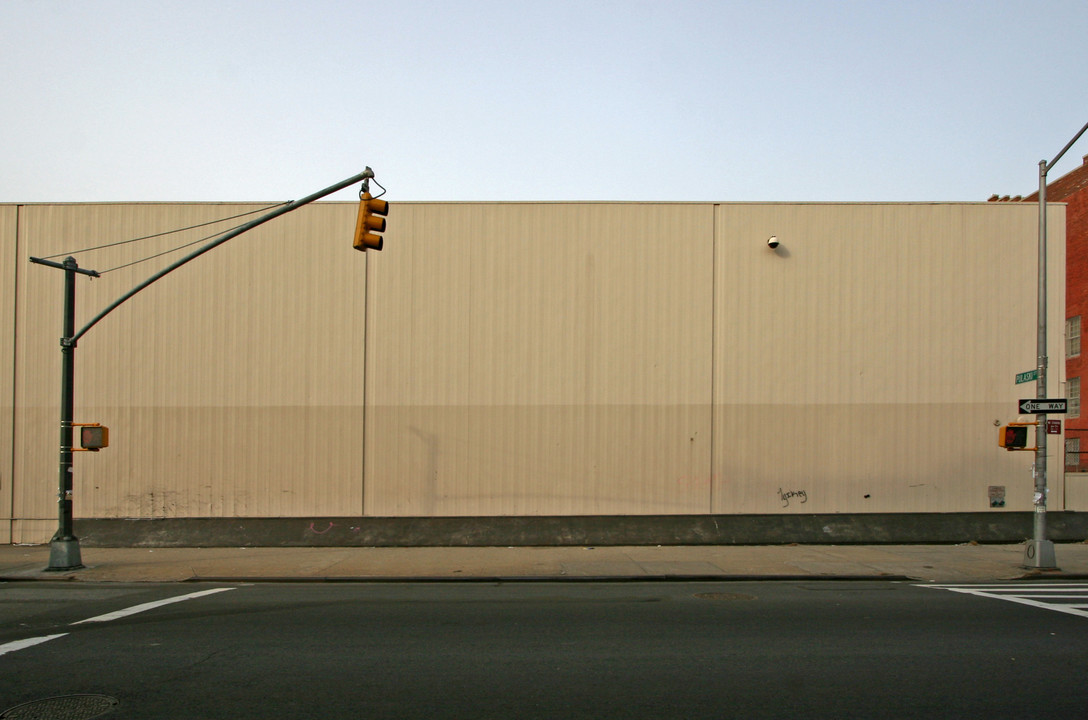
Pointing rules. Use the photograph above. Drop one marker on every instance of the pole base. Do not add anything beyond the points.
(64, 555)
(1040, 554)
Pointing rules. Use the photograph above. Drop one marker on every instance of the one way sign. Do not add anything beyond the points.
(1038, 407)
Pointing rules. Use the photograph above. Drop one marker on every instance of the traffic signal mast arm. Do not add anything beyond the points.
(281, 210)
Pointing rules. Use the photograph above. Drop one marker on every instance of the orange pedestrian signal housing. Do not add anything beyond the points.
(1014, 436)
(93, 436)
(371, 220)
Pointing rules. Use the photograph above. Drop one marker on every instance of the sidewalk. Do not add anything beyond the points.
(926, 563)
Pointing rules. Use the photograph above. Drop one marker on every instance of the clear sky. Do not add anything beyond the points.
(754, 100)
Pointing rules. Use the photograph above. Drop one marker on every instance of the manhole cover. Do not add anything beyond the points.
(724, 596)
(64, 707)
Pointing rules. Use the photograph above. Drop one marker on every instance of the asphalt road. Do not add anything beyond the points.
(544, 650)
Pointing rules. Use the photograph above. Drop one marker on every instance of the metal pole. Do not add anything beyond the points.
(1039, 552)
(64, 549)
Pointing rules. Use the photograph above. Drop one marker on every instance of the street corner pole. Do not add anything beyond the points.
(64, 551)
(1039, 551)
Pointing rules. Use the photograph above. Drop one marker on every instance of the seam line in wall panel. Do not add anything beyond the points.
(713, 341)
(10, 490)
(366, 380)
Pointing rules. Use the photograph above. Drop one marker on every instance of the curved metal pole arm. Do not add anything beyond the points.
(368, 173)
(1049, 165)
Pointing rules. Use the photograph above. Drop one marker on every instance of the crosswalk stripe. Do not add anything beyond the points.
(29, 642)
(150, 606)
(1047, 596)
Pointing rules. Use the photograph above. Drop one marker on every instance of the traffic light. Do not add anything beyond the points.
(371, 219)
(94, 437)
(1013, 437)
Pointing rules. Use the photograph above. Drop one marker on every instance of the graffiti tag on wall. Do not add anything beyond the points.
(787, 495)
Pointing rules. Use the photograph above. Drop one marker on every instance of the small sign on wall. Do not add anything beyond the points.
(997, 496)
(1053, 427)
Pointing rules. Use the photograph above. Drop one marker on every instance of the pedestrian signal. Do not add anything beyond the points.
(94, 437)
(1013, 437)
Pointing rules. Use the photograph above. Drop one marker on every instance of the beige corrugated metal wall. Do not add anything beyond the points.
(541, 360)
(863, 366)
(535, 358)
(232, 387)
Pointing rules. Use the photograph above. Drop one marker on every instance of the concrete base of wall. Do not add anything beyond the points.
(890, 528)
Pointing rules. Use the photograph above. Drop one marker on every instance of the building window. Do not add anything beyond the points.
(1073, 395)
(1072, 336)
(1072, 454)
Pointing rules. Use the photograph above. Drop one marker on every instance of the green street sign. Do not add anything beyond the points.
(1027, 376)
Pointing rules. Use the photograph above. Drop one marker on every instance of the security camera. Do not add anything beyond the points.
(772, 242)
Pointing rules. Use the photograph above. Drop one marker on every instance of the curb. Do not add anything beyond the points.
(504, 579)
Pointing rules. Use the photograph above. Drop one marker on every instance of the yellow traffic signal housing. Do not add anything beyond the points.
(1014, 436)
(371, 220)
(94, 437)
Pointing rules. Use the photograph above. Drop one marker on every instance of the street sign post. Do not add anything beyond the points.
(1033, 406)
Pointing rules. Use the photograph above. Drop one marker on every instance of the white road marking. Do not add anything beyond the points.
(29, 642)
(150, 606)
(1031, 595)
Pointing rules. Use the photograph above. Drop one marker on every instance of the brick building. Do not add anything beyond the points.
(1072, 189)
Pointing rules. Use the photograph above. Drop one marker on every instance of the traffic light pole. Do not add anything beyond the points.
(1039, 551)
(64, 548)
(64, 552)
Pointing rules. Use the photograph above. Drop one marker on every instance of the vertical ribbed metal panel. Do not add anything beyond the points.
(535, 359)
(8, 262)
(232, 387)
(540, 359)
(863, 365)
